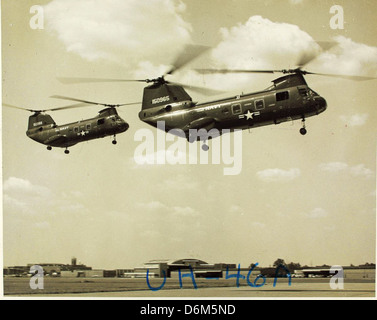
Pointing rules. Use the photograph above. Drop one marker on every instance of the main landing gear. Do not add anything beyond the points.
(114, 140)
(303, 130)
(66, 151)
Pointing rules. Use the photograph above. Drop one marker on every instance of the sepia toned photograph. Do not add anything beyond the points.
(186, 149)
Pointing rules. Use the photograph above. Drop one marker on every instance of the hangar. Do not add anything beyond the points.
(170, 268)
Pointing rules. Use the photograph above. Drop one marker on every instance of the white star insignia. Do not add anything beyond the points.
(249, 115)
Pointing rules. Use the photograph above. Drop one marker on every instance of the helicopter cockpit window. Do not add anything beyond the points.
(100, 121)
(303, 92)
(280, 96)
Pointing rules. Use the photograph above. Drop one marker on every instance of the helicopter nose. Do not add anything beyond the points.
(124, 126)
(321, 104)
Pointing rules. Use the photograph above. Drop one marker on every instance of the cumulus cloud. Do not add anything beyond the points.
(340, 167)
(263, 44)
(14, 185)
(355, 120)
(349, 58)
(249, 45)
(125, 32)
(278, 175)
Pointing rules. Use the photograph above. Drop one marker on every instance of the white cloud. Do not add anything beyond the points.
(317, 213)
(263, 44)
(349, 58)
(333, 166)
(14, 185)
(340, 167)
(278, 175)
(355, 120)
(360, 171)
(250, 44)
(126, 32)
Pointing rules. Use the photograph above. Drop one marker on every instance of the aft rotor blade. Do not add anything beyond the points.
(209, 71)
(202, 90)
(15, 107)
(190, 53)
(77, 105)
(92, 102)
(94, 80)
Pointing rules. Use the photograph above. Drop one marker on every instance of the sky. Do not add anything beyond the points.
(305, 199)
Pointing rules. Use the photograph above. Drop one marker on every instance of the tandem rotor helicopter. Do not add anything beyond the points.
(43, 129)
(288, 98)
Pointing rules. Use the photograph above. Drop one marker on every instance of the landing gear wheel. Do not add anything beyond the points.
(205, 147)
(66, 151)
(303, 130)
(114, 141)
(49, 148)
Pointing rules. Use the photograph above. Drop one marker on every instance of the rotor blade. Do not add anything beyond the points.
(91, 80)
(92, 102)
(343, 76)
(201, 90)
(15, 107)
(208, 71)
(306, 58)
(189, 53)
(77, 105)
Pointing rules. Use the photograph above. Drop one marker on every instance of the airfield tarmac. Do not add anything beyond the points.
(138, 288)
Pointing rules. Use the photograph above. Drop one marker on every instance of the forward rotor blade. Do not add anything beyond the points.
(94, 80)
(307, 58)
(343, 76)
(190, 53)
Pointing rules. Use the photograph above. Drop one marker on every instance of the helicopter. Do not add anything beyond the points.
(288, 98)
(43, 129)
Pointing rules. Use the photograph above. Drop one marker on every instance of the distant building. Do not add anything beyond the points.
(49, 268)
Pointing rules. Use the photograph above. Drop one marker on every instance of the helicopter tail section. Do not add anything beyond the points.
(163, 94)
(39, 120)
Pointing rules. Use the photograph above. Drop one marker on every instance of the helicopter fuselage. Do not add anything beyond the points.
(107, 123)
(284, 101)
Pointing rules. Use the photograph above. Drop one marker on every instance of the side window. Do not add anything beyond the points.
(280, 96)
(101, 121)
(76, 129)
(88, 126)
(225, 110)
(259, 104)
(236, 109)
